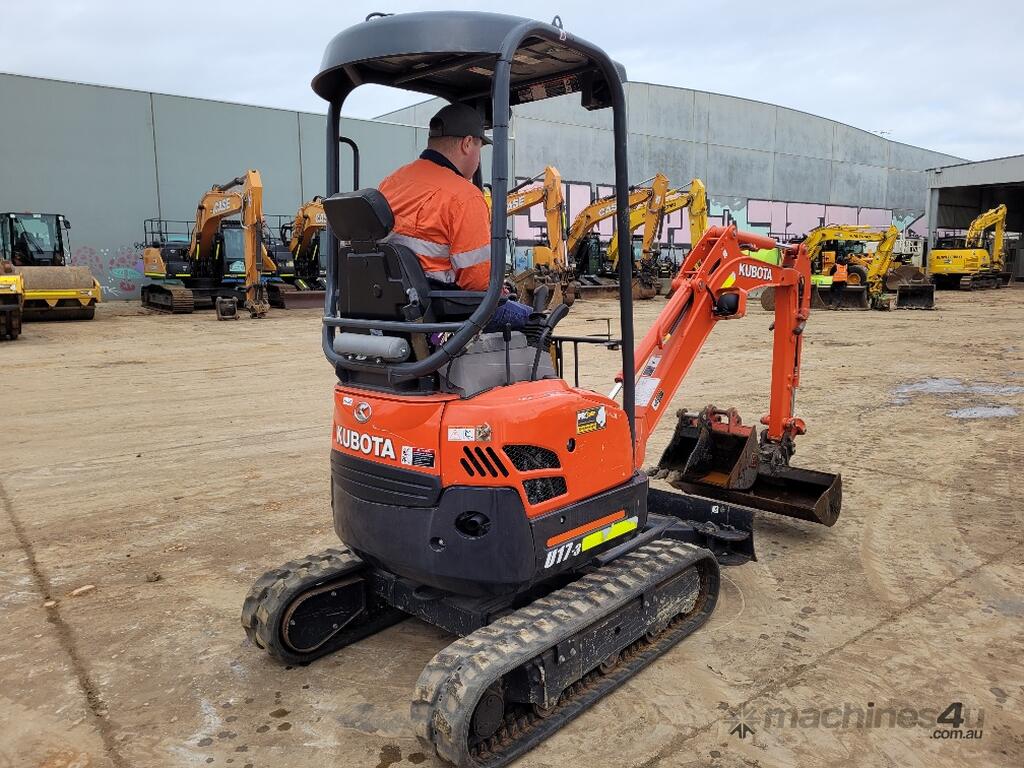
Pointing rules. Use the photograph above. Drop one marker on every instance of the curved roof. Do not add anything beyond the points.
(451, 54)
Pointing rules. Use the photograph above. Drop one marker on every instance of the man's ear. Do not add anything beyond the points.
(466, 144)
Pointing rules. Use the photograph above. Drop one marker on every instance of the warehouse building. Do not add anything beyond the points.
(110, 158)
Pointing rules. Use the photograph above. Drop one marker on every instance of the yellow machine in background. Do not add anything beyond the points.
(12, 298)
(869, 274)
(304, 287)
(37, 246)
(209, 267)
(969, 262)
(550, 266)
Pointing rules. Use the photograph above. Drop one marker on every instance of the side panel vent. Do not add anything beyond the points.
(527, 457)
(543, 488)
(481, 462)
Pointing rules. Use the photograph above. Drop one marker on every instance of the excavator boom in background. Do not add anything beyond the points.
(37, 246)
(210, 268)
(304, 288)
(550, 265)
(968, 263)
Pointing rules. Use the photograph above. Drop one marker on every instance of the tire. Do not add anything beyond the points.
(857, 275)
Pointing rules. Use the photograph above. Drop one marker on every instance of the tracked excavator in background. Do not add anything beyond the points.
(550, 265)
(874, 279)
(583, 244)
(306, 283)
(968, 263)
(651, 268)
(224, 263)
(37, 246)
(474, 488)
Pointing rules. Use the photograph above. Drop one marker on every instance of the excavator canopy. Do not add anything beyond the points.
(451, 54)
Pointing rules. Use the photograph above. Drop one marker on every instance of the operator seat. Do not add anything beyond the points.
(381, 280)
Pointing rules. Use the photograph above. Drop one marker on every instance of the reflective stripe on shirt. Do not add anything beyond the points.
(469, 258)
(418, 245)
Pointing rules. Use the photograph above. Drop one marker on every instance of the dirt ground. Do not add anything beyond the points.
(168, 461)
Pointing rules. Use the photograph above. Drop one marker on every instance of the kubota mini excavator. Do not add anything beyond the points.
(969, 262)
(476, 489)
(208, 269)
(37, 246)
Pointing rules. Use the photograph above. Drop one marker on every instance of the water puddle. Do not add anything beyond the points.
(984, 412)
(902, 393)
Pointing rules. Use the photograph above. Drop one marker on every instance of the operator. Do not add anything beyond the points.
(442, 216)
(839, 277)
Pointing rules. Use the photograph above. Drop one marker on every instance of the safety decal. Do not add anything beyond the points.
(568, 550)
(417, 457)
(346, 401)
(646, 386)
(480, 434)
(657, 399)
(591, 419)
(652, 365)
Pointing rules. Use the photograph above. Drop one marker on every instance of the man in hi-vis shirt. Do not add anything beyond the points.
(441, 216)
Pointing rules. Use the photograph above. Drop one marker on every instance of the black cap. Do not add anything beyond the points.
(458, 120)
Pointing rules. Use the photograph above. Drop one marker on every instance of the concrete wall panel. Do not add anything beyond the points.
(740, 123)
(797, 133)
(738, 172)
(903, 189)
(801, 179)
(672, 113)
(858, 185)
(853, 145)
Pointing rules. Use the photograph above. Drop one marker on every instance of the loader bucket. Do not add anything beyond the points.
(713, 448)
(853, 297)
(286, 296)
(913, 289)
(916, 296)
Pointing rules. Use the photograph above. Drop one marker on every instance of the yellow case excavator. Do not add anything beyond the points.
(38, 247)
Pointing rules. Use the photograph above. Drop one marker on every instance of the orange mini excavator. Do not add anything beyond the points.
(476, 489)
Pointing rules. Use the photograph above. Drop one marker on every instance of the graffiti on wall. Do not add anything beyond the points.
(780, 219)
(118, 270)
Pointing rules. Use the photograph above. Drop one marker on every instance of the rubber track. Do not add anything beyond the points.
(269, 597)
(453, 682)
(181, 300)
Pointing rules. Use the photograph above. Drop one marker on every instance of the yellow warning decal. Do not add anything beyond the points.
(613, 531)
(729, 280)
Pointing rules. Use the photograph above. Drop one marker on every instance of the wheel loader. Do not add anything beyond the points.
(474, 488)
(38, 247)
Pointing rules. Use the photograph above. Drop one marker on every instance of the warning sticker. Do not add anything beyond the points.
(657, 399)
(646, 386)
(417, 457)
(652, 364)
(480, 434)
(591, 419)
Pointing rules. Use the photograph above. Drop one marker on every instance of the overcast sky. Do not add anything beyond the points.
(945, 75)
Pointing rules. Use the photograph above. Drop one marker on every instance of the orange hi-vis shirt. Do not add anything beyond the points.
(441, 217)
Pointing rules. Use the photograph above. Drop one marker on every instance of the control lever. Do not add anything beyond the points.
(506, 335)
(557, 315)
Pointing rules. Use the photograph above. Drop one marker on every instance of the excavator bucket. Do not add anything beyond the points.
(286, 296)
(713, 448)
(727, 467)
(912, 287)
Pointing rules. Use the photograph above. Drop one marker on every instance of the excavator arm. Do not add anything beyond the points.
(241, 196)
(550, 195)
(712, 285)
(598, 211)
(647, 214)
(995, 219)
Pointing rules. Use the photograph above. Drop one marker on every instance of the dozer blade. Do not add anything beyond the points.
(298, 299)
(784, 490)
(713, 448)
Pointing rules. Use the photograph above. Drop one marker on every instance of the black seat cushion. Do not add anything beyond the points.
(360, 216)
